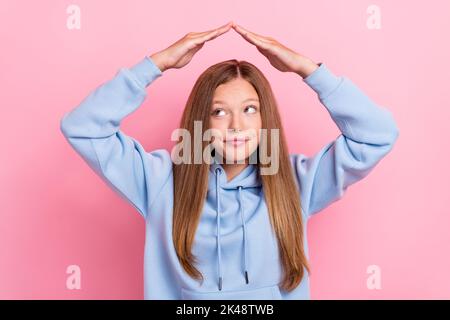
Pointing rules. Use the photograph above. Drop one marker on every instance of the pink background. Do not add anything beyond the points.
(55, 212)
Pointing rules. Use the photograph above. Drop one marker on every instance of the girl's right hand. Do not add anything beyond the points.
(181, 52)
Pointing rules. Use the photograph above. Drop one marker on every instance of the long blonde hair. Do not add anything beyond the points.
(281, 191)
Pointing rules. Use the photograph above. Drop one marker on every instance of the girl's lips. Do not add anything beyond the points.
(237, 141)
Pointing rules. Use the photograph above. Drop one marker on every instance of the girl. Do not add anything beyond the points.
(219, 230)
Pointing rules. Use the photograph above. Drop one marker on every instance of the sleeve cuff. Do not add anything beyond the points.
(322, 81)
(146, 71)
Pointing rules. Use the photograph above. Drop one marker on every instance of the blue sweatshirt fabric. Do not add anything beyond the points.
(235, 245)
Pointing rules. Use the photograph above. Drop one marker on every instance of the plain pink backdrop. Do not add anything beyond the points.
(55, 212)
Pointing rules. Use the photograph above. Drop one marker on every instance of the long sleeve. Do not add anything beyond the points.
(368, 133)
(93, 130)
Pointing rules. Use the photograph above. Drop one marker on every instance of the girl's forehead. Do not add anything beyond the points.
(235, 86)
(251, 99)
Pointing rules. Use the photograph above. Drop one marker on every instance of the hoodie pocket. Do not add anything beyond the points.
(264, 293)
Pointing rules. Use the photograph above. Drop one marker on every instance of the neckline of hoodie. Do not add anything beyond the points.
(242, 175)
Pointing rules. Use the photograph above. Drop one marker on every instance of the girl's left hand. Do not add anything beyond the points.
(279, 56)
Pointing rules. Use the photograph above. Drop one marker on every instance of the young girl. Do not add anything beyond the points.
(219, 230)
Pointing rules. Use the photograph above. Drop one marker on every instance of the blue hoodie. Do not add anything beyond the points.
(236, 248)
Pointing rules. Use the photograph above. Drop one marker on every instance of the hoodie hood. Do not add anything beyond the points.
(247, 178)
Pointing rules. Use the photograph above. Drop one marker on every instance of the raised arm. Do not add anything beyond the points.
(93, 127)
(93, 130)
(368, 133)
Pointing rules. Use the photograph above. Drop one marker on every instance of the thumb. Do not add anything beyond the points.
(197, 48)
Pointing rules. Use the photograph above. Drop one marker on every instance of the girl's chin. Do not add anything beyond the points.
(231, 157)
(235, 152)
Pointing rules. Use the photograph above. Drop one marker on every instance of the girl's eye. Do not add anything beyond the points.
(220, 112)
(251, 107)
(217, 111)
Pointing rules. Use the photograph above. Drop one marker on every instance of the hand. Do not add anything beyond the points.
(181, 52)
(279, 56)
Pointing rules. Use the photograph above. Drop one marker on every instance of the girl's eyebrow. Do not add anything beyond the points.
(249, 99)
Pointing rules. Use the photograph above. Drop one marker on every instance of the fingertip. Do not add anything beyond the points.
(226, 25)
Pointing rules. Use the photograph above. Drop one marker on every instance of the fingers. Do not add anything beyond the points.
(252, 37)
(244, 31)
(223, 28)
(202, 37)
(214, 34)
(211, 34)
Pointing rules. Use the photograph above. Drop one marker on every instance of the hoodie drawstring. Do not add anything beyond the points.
(245, 234)
(219, 256)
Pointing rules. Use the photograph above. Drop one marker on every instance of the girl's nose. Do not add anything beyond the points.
(235, 124)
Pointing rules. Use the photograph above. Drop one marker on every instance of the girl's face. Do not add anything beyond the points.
(236, 106)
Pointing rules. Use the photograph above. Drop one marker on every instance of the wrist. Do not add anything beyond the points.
(157, 59)
(305, 67)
